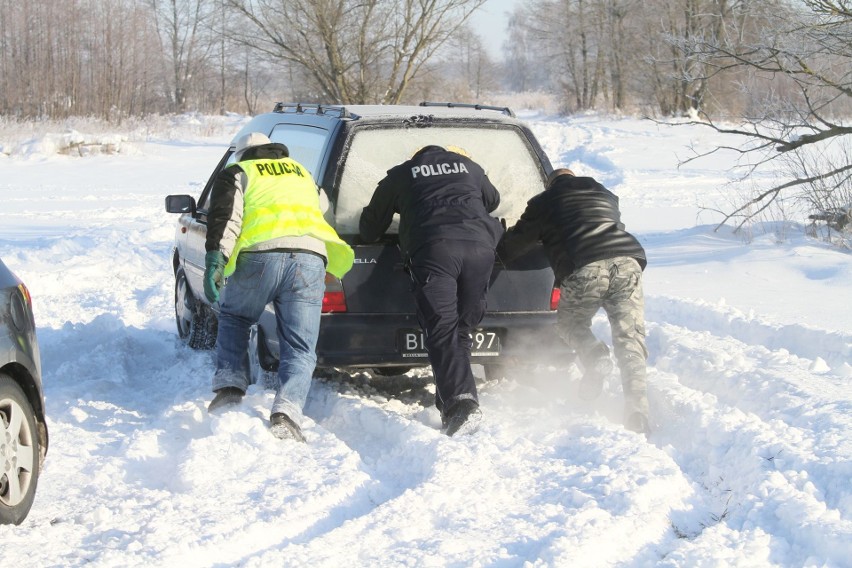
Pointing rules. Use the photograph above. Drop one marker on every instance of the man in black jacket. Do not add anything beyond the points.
(597, 264)
(447, 239)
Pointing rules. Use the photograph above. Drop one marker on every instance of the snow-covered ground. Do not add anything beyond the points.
(749, 462)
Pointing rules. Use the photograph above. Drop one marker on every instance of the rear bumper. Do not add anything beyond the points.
(360, 340)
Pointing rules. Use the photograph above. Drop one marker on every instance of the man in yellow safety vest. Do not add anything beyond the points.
(266, 234)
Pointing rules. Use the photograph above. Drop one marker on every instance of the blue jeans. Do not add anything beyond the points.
(294, 282)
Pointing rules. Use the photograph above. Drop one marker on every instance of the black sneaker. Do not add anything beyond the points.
(462, 418)
(225, 396)
(638, 422)
(283, 427)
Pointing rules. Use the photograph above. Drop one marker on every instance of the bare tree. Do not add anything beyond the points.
(525, 69)
(810, 49)
(352, 51)
(678, 67)
(465, 71)
(588, 48)
(79, 57)
(120, 60)
(568, 35)
(114, 58)
(28, 58)
(617, 14)
(581, 52)
(182, 25)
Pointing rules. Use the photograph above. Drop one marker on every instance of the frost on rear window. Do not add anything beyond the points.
(510, 164)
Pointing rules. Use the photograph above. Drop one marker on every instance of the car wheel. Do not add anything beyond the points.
(19, 453)
(196, 323)
(496, 371)
(266, 359)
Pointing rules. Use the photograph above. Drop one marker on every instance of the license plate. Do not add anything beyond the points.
(412, 343)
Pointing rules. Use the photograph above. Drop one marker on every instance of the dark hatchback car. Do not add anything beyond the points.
(368, 317)
(23, 430)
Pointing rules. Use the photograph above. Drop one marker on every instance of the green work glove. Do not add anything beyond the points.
(214, 274)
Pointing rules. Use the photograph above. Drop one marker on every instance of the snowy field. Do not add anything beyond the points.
(750, 384)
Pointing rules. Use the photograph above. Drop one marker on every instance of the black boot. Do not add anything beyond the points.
(591, 385)
(638, 422)
(283, 427)
(462, 418)
(226, 396)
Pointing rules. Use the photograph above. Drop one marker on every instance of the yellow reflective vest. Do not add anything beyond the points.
(280, 199)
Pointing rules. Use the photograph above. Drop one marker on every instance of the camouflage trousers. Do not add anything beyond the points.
(615, 285)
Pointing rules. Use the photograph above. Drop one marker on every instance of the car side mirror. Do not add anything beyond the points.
(180, 204)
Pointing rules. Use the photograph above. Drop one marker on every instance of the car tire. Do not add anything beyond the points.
(19, 453)
(267, 361)
(196, 323)
(496, 371)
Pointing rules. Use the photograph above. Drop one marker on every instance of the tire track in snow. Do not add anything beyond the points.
(569, 144)
(761, 433)
(582, 478)
(833, 347)
(733, 416)
(171, 451)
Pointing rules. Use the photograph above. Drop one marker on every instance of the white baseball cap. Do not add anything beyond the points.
(250, 140)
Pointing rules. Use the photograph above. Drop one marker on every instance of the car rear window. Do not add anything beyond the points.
(502, 151)
(305, 143)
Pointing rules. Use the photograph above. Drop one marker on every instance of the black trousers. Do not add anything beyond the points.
(450, 281)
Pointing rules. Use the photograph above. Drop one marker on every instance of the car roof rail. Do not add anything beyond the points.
(504, 110)
(311, 108)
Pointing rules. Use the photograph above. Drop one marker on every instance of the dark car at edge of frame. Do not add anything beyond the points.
(23, 429)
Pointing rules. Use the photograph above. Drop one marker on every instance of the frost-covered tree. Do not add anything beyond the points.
(365, 51)
(800, 87)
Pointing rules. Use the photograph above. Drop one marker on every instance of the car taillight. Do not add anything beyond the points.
(21, 308)
(26, 294)
(334, 299)
(554, 298)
